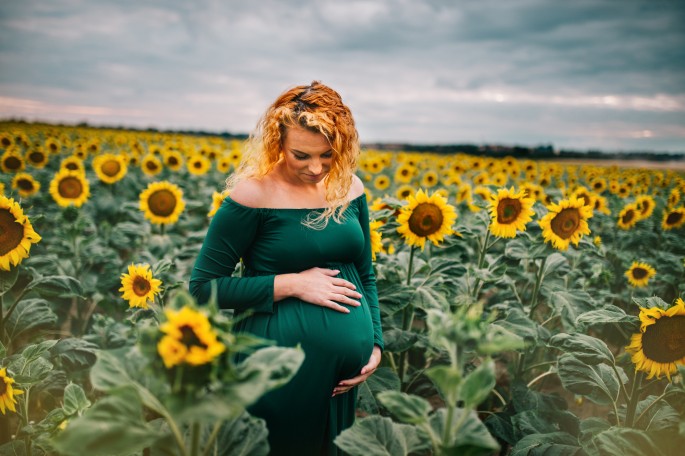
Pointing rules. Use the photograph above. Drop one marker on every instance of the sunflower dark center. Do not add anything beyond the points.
(162, 203)
(36, 157)
(12, 163)
(172, 161)
(141, 286)
(425, 219)
(508, 210)
(6, 142)
(645, 206)
(585, 197)
(189, 338)
(405, 172)
(664, 341)
(628, 216)
(3, 387)
(71, 166)
(110, 168)
(197, 164)
(640, 273)
(674, 218)
(566, 223)
(70, 188)
(151, 165)
(25, 184)
(11, 232)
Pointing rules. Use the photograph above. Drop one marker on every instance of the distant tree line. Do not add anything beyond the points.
(546, 151)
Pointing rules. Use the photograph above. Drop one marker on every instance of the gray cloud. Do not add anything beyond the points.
(582, 74)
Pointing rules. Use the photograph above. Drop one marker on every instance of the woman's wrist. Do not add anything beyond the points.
(284, 286)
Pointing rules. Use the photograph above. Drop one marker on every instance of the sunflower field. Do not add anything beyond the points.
(528, 307)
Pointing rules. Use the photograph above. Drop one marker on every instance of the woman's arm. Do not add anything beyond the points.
(364, 265)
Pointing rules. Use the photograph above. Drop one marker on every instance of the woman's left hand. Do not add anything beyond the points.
(346, 385)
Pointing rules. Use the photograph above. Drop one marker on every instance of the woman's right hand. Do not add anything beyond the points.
(318, 286)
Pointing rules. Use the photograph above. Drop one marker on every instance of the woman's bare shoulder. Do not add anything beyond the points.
(249, 192)
(357, 187)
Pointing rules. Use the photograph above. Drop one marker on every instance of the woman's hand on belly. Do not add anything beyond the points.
(318, 286)
(346, 385)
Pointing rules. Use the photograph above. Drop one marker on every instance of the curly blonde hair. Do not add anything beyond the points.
(320, 109)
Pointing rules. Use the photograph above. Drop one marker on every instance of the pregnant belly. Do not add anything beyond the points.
(327, 336)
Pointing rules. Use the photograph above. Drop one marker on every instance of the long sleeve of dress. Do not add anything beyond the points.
(364, 265)
(230, 234)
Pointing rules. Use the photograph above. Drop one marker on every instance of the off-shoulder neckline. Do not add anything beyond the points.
(231, 200)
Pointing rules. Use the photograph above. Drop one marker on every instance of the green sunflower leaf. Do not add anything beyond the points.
(380, 436)
(586, 348)
(408, 408)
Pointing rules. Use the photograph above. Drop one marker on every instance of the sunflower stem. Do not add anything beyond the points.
(195, 439)
(162, 229)
(14, 305)
(538, 286)
(540, 377)
(407, 318)
(623, 389)
(653, 404)
(212, 438)
(481, 260)
(633, 400)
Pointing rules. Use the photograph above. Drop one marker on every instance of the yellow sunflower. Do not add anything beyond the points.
(188, 339)
(566, 223)
(25, 184)
(217, 199)
(660, 345)
(645, 205)
(173, 160)
(151, 165)
(162, 202)
(12, 161)
(73, 163)
(404, 173)
(464, 193)
(37, 158)
(110, 168)
(6, 140)
(601, 205)
(198, 165)
(426, 217)
(429, 179)
(16, 234)
(403, 192)
(138, 286)
(510, 211)
(7, 392)
(376, 238)
(381, 182)
(584, 194)
(674, 218)
(598, 184)
(69, 188)
(224, 164)
(628, 216)
(639, 274)
(483, 192)
(673, 197)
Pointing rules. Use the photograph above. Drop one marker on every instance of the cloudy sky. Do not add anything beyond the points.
(582, 74)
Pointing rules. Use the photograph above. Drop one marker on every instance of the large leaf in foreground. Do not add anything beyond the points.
(380, 436)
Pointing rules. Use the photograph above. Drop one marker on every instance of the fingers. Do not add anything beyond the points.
(346, 385)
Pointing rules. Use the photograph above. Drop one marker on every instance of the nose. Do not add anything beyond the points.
(315, 167)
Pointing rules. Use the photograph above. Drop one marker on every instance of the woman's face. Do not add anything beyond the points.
(308, 155)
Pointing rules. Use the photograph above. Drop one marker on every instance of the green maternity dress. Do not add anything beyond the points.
(302, 417)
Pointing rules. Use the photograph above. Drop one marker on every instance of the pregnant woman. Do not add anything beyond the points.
(297, 216)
